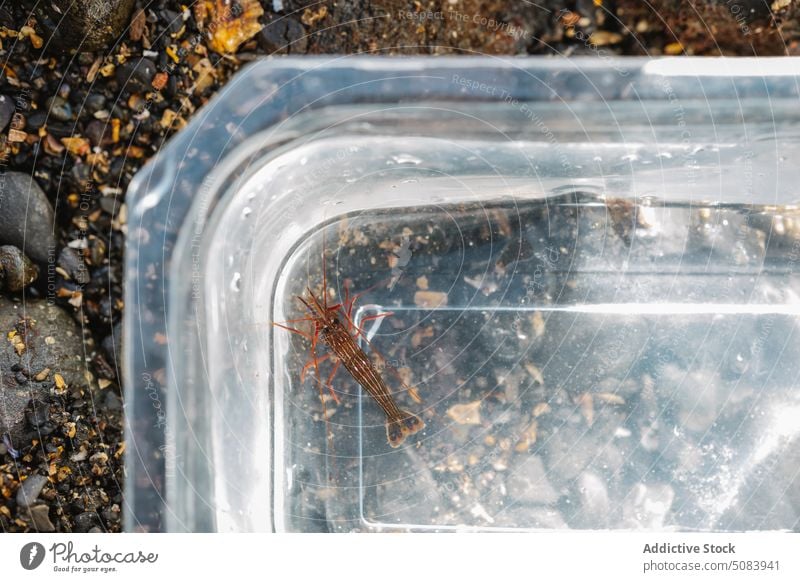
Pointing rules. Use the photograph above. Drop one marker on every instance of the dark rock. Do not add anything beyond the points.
(172, 20)
(136, 75)
(73, 264)
(112, 514)
(109, 204)
(86, 521)
(50, 343)
(60, 129)
(113, 402)
(39, 414)
(94, 102)
(748, 10)
(6, 18)
(98, 132)
(16, 270)
(36, 120)
(40, 518)
(282, 36)
(6, 110)
(30, 489)
(59, 108)
(86, 26)
(26, 216)
(112, 344)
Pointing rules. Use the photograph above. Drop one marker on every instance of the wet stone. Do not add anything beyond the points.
(282, 36)
(136, 76)
(49, 342)
(30, 489)
(112, 346)
(98, 132)
(16, 270)
(60, 129)
(113, 402)
(6, 111)
(85, 26)
(94, 102)
(39, 414)
(73, 264)
(36, 120)
(86, 521)
(40, 518)
(26, 217)
(59, 108)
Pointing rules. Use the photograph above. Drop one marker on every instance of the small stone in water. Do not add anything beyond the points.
(466, 413)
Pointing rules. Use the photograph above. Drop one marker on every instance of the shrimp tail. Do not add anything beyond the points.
(397, 429)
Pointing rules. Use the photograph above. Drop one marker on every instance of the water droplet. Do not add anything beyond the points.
(303, 161)
(236, 282)
(246, 211)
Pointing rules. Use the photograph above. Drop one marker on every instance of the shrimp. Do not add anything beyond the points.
(329, 325)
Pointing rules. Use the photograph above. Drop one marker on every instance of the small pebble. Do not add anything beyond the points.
(59, 108)
(39, 415)
(30, 489)
(26, 217)
(94, 102)
(16, 270)
(282, 36)
(6, 111)
(73, 264)
(85, 521)
(136, 75)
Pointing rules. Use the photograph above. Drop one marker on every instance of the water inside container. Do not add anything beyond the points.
(580, 361)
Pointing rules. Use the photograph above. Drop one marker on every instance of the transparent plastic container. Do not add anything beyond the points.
(591, 273)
